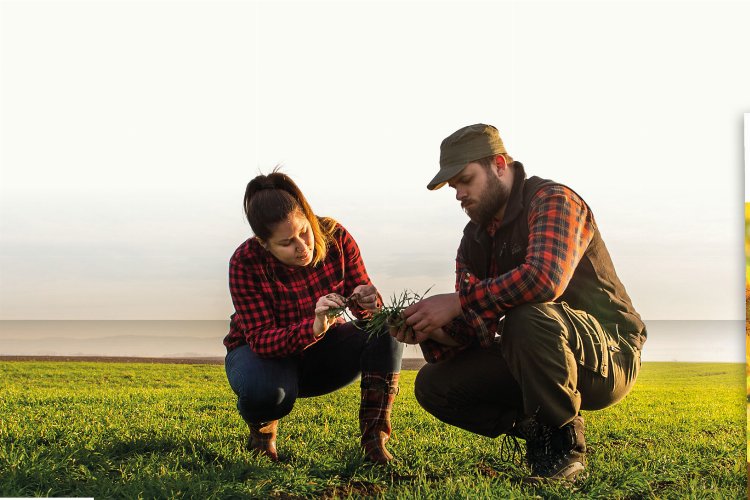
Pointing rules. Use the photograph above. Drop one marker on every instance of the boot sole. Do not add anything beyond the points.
(568, 473)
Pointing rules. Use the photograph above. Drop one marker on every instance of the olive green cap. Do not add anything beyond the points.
(464, 146)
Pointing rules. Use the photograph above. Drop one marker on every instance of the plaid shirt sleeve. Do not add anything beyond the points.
(435, 352)
(560, 229)
(254, 313)
(355, 273)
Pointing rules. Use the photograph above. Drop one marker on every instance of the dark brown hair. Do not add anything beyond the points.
(270, 199)
(489, 161)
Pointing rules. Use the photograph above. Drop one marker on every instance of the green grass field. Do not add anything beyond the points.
(160, 431)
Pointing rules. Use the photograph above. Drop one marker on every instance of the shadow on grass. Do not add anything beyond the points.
(353, 489)
(149, 466)
(165, 467)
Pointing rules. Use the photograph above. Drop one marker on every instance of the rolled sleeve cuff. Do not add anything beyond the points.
(309, 334)
(470, 297)
(459, 331)
(435, 352)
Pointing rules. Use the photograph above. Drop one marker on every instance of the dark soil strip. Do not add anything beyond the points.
(407, 364)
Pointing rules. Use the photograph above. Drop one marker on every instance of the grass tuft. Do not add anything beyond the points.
(389, 316)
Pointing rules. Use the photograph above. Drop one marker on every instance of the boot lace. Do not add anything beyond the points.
(539, 446)
(510, 449)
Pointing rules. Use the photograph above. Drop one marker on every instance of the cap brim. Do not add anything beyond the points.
(444, 175)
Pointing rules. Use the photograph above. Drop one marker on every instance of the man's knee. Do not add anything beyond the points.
(528, 325)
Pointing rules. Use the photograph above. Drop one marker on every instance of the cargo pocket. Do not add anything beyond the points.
(589, 342)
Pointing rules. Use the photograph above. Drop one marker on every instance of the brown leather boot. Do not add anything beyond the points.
(262, 439)
(378, 392)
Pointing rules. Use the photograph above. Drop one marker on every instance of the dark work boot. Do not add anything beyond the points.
(378, 393)
(557, 454)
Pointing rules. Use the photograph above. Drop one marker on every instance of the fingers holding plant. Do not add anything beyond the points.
(406, 334)
(390, 319)
(433, 312)
(366, 296)
(327, 309)
(385, 318)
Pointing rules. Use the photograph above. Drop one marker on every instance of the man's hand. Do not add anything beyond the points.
(407, 335)
(433, 312)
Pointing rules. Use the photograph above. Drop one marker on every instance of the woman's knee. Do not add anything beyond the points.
(382, 353)
(268, 403)
(263, 386)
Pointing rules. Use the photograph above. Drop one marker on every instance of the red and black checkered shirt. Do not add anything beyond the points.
(560, 229)
(275, 303)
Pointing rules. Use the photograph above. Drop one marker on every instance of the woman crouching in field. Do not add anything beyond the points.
(284, 341)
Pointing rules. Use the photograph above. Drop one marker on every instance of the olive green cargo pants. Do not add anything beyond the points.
(550, 361)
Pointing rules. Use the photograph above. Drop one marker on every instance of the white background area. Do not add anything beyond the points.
(128, 131)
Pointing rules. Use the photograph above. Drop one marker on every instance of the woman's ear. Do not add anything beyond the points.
(262, 243)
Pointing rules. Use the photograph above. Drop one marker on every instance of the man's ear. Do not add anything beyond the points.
(500, 162)
(262, 242)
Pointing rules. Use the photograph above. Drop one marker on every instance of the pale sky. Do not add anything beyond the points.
(128, 131)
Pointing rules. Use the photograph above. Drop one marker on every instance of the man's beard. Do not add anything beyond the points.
(492, 199)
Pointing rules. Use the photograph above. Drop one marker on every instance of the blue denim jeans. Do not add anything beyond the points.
(267, 388)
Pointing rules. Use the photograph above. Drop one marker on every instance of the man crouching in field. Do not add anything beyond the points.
(539, 328)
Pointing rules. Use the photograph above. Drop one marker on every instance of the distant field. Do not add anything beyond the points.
(167, 430)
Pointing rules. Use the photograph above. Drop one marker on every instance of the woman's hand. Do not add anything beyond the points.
(367, 297)
(322, 320)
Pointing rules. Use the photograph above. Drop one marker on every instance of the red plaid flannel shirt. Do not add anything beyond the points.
(275, 303)
(560, 229)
